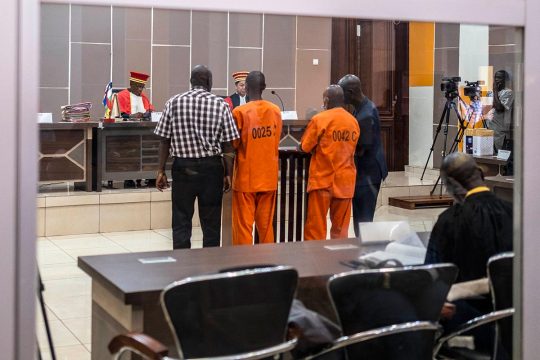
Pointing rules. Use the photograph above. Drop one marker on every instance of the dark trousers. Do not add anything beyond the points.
(363, 204)
(200, 179)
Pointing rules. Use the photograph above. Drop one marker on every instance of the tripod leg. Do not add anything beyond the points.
(39, 353)
(443, 115)
(45, 318)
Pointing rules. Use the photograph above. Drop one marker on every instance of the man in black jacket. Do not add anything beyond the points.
(369, 159)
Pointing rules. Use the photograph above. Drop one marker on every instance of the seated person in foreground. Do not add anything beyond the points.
(476, 227)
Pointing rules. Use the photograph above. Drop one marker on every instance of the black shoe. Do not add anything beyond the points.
(129, 184)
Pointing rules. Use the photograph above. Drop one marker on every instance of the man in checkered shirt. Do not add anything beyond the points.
(197, 129)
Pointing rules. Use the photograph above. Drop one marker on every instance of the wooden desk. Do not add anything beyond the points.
(502, 186)
(125, 150)
(65, 153)
(490, 165)
(125, 292)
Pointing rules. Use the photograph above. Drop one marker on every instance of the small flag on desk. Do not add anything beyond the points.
(107, 95)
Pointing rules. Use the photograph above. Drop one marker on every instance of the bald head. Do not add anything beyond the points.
(352, 89)
(460, 173)
(333, 97)
(201, 76)
(255, 85)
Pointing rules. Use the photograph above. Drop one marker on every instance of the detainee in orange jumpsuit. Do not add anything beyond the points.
(256, 166)
(331, 137)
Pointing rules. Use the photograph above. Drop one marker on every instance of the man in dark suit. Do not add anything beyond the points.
(370, 163)
(240, 96)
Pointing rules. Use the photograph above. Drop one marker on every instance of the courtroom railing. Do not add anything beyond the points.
(291, 200)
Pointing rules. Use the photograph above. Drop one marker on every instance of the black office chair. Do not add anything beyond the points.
(232, 315)
(390, 313)
(500, 276)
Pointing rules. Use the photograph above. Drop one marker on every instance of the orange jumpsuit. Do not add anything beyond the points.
(331, 136)
(255, 171)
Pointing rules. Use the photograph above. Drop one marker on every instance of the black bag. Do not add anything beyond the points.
(314, 332)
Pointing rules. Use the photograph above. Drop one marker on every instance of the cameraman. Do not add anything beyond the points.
(500, 116)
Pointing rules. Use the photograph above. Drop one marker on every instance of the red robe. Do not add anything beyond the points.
(124, 102)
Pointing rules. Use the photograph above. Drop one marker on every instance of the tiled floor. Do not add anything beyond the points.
(67, 289)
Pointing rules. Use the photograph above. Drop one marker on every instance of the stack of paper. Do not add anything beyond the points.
(76, 112)
(406, 246)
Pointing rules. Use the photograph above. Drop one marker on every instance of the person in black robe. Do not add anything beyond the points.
(476, 227)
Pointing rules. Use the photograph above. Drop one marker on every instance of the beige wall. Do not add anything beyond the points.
(82, 49)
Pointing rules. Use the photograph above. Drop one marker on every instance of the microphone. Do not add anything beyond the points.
(280, 100)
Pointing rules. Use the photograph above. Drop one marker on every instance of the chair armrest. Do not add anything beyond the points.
(474, 323)
(345, 341)
(139, 343)
(259, 354)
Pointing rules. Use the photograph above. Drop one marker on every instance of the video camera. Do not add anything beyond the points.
(473, 88)
(450, 86)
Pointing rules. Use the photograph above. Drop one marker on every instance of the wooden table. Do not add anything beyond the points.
(125, 292)
(502, 186)
(490, 165)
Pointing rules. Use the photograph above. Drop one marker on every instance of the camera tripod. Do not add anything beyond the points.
(444, 123)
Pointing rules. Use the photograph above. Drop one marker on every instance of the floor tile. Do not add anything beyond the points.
(72, 352)
(112, 249)
(61, 335)
(61, 271)
(165, 232)
(71, 307)
(39, 314)
(149, 246)
(62, 288)
(45, 245)
(56, 256)
(82, 242)
(134, 235)
(81, 328)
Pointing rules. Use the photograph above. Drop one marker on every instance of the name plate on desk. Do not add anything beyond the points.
(45, 118)
(341, 247)
(157, 260)
(289, 115)
(156, 116)
(503, 155)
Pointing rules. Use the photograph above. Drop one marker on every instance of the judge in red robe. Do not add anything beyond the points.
(132, 102)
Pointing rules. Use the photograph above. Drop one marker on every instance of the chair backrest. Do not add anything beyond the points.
(230, 313)
(500, 274)
(369, 299)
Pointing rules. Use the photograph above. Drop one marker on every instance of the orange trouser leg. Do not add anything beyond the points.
(265, 205)
(340, 214)
(243, 215)
(318, 205)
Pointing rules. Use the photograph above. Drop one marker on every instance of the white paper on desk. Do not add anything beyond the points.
(406, 246)
(384, 230)
(45, 118)
(503, 155)
(341, 247)
(156, 116)
(157, 260)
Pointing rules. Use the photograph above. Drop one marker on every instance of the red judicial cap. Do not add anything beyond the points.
(138, 77)
(240, 76)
